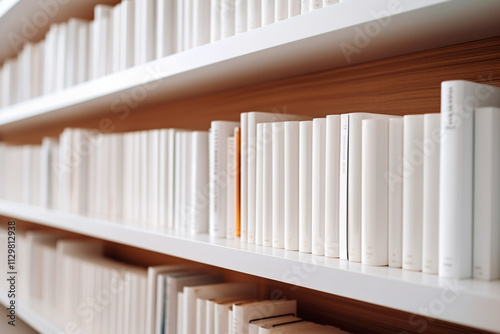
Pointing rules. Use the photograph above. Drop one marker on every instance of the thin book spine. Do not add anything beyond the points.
(395, 179)
(305, 180)
(291, 192)
(413, 192)
(332, 187)
(318, 186)
(278, 185)
(430, 215)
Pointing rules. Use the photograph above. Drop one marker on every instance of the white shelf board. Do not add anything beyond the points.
(23, 21)
(467, 302)
(303, 44)
(29, 316)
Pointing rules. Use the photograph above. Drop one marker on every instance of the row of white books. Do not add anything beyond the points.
(70, 281)
(131, 33)
(377, 189)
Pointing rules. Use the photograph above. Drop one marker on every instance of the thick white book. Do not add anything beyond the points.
(332, 186)
(278, 184)
(82, 54)
(231, 188)
(37, 67)
(315, 4)
(61, 56)
(201, 22)
(374, 191)
(413, 192)
(294, 8)
(127, 178)
(267, 186)
(90, 51)
(171, 191)
(395, 197)
(304, 6)
(163, 179)
(241, 16)
(458, 100)
(199, 203)
(127, 31)
(291, 180)
(259, 185)
(254, 14)
(136, 178)
(218, 175)
(227, 25)
(144, 175)
(254, 325)
(188, 24)
(175, 285)
(249, 123)
(280, 10)
(153, 172)
(185, 200)
(179, 19)
(64, 170)
(116, 32)
(243, 313)
(165, 28)
(305, 185)
(268, 8)
(178, 178)
(221, 290)
(48, 150)
(486, 241)
(350, 185)
(73, 52)
(215, 20)
(430, 215)
(102, 34)
(180, 313)
(50, 59)
(145, 33)
(318, 186)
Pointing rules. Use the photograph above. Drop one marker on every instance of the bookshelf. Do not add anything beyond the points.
(262, 55)
(294, 66)
(327, 274)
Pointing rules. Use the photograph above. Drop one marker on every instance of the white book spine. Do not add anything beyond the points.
(254, 14)
(374, 207)
(179, 31)
(115, 40)
(215, 20)
(231, 188)
(201, 22)
(153, 172)
(127, 31)
(267, 171)
(37, 78)
(430, 224)
(395, 179)
(244, 162)
(82, 54)
(90, 51)
(413, 192)
(458, 99)
(185, 201)
(305, 180)
(61, 58)
(165, 28)
(145, 25)
(187, 22)
(199, 171)
(72, 51)
(293, 8)
(227, 18)
(332, 186)
(220, 131)
(259, 184)
(280, 10)
(343, 184)
(101, 41)
(171, 174)
(318, 186)
(144, 176)
(486, 193)
(178, 179)
(291, 191)
(316, 4)
(278, 185)
(241, 16)
(267, 12)
(163, 148)
(304, 6)
(53, 64)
